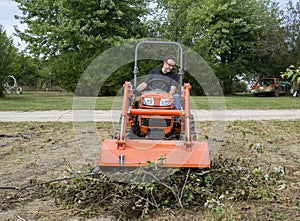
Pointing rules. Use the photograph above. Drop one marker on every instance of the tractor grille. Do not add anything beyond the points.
(152, 122)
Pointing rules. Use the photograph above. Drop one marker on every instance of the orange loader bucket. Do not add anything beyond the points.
(164, 153)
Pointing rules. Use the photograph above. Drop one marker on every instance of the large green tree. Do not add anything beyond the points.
(77, 25)
(171, 19)
(291, 26)
(28, 74)
(227, 33)
(70, 33)
(237, 38)
(8, 58)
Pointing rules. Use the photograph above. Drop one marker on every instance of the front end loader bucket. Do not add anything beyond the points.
(164, 153)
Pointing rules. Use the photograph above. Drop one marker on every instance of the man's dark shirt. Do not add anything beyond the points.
(171, 78)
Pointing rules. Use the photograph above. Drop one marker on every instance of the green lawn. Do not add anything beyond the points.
(29, 101)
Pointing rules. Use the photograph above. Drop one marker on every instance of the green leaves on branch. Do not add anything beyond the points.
(68, 34)
(184, 189)
(237, 38)
(9, 59)
(249, 38)
(292, 74)
(78, 25)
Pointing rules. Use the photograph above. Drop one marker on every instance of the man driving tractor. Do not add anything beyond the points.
(149, 129)
(168, 83)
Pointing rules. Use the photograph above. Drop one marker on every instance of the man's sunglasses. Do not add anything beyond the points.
(170, 64)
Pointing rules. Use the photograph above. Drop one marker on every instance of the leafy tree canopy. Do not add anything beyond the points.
(237, 38)
(78, 25)
(291, 24)
(8, 55)
(70, 33)
(230, 35)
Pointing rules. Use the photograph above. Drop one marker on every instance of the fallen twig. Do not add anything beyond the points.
(20, 218)
(41, 183)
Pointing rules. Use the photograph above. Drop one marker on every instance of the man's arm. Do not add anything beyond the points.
(141, 86)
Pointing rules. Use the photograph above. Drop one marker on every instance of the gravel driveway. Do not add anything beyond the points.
(113, 115)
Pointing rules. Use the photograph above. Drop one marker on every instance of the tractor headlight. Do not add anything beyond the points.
(149, 101)
(165, 102)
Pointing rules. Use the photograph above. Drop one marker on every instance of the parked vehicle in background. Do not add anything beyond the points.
(271, 87)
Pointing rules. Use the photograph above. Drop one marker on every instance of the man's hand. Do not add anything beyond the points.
(173, 90)
(136, 92)
(141, 87)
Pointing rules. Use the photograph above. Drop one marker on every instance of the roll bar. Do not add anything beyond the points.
(136, 70)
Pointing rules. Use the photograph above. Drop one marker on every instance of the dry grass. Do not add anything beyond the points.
(33, 152)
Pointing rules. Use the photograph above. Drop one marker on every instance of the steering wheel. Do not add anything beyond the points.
(152, 84)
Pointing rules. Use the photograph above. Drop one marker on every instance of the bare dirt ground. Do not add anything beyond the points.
(39, 152)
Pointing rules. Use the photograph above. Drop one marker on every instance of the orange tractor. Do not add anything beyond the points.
(152, 131)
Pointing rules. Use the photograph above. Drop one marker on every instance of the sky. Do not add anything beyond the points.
(9, 8)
